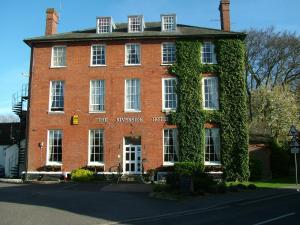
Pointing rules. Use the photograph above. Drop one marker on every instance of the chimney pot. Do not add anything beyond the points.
(225, 14)
(51, 21)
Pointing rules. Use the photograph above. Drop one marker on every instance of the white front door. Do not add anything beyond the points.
(132, 159)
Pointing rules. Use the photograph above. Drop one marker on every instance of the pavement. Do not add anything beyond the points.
(127, 188)
(102, 203)
(11, 180)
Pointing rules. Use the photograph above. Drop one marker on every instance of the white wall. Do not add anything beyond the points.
(11, 158)
(2, 154)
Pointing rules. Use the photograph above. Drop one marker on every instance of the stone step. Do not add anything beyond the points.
(130, 179)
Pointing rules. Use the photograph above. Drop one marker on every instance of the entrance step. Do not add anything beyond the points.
(132, 178)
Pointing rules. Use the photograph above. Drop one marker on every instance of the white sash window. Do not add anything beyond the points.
(212, 146)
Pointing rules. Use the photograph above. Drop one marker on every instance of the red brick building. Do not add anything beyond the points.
(99, 97)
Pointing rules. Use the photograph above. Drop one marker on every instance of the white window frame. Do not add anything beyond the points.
(139, 54)
(217, 145)
(139, 96)
(50, 97)
(175, 136)
(95, 163)
(215, 95)
(52, 56)
(163, 24)
(141, 23)
(91, 58)
(214, 57)
(91, 110)
(110, 24)
(162, 53)
(53, 163)
(164, 109)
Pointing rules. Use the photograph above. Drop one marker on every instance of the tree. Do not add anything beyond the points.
(275, 110)
(273, 58)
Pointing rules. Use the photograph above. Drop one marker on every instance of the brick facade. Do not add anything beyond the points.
(149, 123)
(77, 75)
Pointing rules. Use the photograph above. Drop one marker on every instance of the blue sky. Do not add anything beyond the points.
(22, 19)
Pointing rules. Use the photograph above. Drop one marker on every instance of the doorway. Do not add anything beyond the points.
(132, 163)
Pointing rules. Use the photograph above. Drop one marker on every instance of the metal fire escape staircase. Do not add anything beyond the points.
(19, 107)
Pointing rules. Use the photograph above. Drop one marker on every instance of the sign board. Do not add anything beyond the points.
(294, 150)
(294, 143)
(293, 131)
(75, 120)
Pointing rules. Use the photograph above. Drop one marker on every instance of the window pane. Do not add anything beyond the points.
(59, 56)
(211, 95)
(208, 55)
(170, 97)
(132, 54)
(132, 94)
(104, 25)
(55, 146)
(97, 95)
(170, 145)
(57, 96)
(96, 145)
(98, 55)
(168, 53)
(169, 23)
(212, 145)
(135, 24)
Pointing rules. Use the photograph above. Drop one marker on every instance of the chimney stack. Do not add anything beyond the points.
(51, 21)
(225, 15)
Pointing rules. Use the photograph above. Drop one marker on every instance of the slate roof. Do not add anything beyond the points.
(152, 30)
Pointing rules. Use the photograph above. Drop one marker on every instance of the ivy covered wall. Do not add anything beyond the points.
(231, 118)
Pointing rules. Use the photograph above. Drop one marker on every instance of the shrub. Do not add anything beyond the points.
(203, 182)
(222, 187)
(82, 175)
(241, 186)
(280, 160)
(188, 168)
(233, 188)
(255, 167)
(173, 180)
(251, 186)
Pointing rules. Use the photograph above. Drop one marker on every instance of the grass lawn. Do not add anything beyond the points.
(273, 183)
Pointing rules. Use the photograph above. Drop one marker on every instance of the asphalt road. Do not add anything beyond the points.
(283, 210)
(69, 204)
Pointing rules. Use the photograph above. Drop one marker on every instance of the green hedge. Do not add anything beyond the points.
(82, 175)
(189, 168)
(256, 168)
(232, 116)
(280, 159)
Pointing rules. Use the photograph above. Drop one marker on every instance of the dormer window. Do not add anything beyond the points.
(135, 24)
(168, 22)
(104, 25)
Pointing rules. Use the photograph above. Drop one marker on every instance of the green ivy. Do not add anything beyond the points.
(190, 118)
(233, 118)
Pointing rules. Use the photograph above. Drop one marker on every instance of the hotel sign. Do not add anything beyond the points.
(103, 120)
(133, 119)
(159, 119)
(129, 119)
